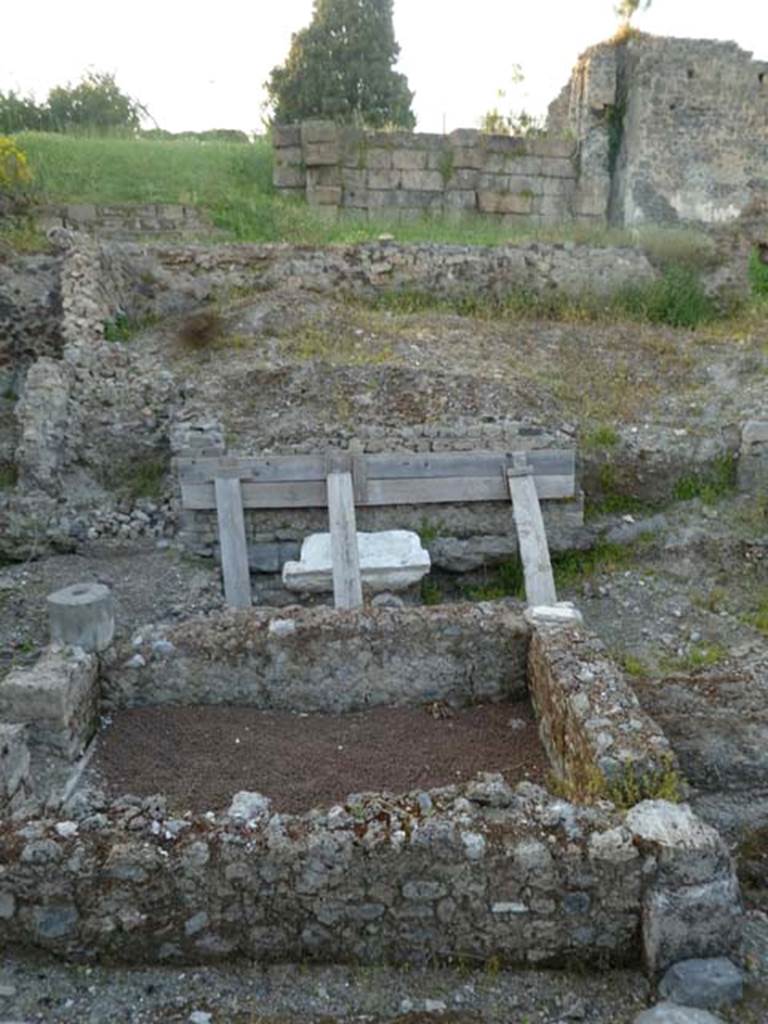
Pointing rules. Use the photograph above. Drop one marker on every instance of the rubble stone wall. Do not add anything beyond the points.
(597, 737)
(473, 875)
(318, 659)
(669, 130)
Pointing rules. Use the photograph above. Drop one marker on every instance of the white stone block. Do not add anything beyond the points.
(563, 613)
(389, 560)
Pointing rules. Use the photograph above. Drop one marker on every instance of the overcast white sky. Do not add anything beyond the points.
(203, 66)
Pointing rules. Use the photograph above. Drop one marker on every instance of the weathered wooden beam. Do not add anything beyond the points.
(345, 558)
(234, 552)
(557, 463)
(532, 537)
(312, 494)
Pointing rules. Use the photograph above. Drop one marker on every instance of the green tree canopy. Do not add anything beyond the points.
(95, 104)
(341, 67)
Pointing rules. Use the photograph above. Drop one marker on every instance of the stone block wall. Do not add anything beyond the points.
(319, 659)
(126, 221)
(399, 175)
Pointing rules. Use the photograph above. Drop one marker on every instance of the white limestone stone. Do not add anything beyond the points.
(389, 560)
(563, 613)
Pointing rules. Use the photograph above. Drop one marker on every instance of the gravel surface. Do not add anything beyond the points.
(199, 756)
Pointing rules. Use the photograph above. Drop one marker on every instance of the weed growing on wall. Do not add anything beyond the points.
(758, 272)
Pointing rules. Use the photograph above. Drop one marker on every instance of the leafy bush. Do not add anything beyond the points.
(15, 174)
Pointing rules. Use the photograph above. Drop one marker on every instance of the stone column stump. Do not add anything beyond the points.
(82, 615)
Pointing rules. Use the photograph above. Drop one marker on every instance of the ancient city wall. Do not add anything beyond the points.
(398, 175)
(648, 130)
(671, 130)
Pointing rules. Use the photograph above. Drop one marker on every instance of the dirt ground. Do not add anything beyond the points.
(200, 756)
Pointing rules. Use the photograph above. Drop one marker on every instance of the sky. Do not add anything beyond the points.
(204, 67)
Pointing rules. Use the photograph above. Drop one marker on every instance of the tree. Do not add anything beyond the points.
(341, 67)
(626, 9)
(20, 114)
(95, 104)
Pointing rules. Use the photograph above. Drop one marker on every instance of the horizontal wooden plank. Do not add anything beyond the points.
(440, 490)
(405, 465)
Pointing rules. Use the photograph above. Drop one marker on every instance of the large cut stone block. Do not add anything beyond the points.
(82, 615)
(692, 921)
(390, 560)
(57, 698)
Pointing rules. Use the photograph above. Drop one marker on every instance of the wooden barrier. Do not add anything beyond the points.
(342, 480)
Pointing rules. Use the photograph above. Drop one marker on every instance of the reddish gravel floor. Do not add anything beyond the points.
(200, 756)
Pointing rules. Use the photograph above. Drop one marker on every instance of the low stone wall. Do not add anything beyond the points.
(401, 175)
(56, 699)
(125, 221)
(465, 875)
(319, 659)
(597, 736)
(369, 268)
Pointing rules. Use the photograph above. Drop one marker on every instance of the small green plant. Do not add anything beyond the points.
(428, 531)
(9, 476)
(633, 665)
(505, 581)
(631, 787)
(119, 328)
(697, 657)
(717, 481)
(758, 271)
(676, 298)
(759, 617)
(445, 165)
(431, 593)
(573, 567)
(600, 437)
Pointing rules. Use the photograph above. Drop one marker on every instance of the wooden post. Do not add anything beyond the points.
(531, 535)
(234, 551)
(345, 558)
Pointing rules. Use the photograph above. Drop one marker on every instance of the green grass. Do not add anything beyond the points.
(709, 485)
(505, 581)
(599, 438)
(573, 567)
(233, 181)
(758, 275)
(98, 170)
(759, 617)
(699, 656)
(677, 298)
